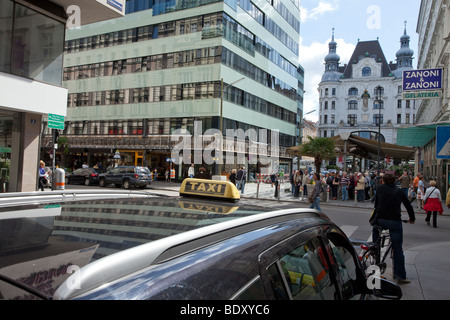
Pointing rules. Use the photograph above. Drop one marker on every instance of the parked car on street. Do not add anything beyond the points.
(132, 245)
(126, 176)
(86, 176)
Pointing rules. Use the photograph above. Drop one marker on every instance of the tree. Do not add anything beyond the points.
(318, 148)
(63, 147)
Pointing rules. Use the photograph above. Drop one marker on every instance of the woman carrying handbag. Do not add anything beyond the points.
(432, 203)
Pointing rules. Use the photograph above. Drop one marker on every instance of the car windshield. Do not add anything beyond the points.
(39, 244)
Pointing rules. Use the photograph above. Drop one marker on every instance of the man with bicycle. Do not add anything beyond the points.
(388, 201)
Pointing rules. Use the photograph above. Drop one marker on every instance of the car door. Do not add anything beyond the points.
(76, 176)
(298, 269)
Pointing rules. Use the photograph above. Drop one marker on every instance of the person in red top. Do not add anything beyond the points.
(433, 203)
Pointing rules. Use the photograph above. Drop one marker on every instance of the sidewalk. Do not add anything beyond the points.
(267, 192)
(427, 266)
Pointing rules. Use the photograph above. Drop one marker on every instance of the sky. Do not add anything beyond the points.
(352, 20)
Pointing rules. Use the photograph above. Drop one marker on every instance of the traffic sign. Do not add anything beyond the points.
(443, 142)
(55, 121)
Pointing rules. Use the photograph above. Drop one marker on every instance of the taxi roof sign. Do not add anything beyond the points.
(210, 189)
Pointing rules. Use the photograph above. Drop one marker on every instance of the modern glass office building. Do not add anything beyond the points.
(167, 65)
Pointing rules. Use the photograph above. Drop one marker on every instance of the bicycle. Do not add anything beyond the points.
(373, 255)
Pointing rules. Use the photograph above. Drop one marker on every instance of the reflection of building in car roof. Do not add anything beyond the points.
(134, 245)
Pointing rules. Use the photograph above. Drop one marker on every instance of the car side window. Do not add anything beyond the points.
(306, 273)
(115, 171)
(10, 292)
(346, 265)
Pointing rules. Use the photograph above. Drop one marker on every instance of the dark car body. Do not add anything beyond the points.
(86, 176)
(126, 176)
(137, 246)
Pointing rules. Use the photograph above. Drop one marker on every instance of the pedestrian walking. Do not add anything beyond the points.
(232, 176)
(304, 182)
(351, 187)
(360, 185)
(420, 191)
(367, 182)
(241, 179)
(388, 201)
(405, 182)
(42, 177)
(345, 181)
(191, 171)
(297, 182)
(432, 203)
(447, 200)
(335, 186)
(315, 193)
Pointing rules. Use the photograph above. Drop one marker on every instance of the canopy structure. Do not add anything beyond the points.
(418, 135)
(366, 148)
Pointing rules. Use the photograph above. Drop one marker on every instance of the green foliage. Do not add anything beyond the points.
(319, 148)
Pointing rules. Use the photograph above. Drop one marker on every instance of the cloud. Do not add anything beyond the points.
(312, 60)
(315, 13)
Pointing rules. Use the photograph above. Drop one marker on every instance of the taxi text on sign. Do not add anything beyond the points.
(209, 188)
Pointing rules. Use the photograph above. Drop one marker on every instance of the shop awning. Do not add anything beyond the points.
(368, 148)
(419, 135)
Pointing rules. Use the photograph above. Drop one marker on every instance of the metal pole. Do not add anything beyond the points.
(54, 157)
(379, 127)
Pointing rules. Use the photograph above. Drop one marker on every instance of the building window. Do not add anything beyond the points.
(353, 105)
(37, 45)
(333, 105)
(408, 104)
(326, 105)
(407, 118)
(352, 120)
(399, 104)
(399, 118)
(353, 92)
(378, 91)
(333, 91)
(333, 119)
(377, 119)
(366, 72)
(378, 104)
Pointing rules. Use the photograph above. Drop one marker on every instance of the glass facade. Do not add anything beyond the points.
(32, 43)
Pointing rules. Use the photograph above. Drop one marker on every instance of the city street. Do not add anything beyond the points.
(426, 249)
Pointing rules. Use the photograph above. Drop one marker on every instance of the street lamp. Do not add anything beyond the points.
(378, 98)
(222, 89)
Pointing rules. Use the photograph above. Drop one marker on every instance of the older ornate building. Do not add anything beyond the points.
(364, 96)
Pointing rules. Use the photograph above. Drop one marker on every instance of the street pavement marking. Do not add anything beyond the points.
(348, 230)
